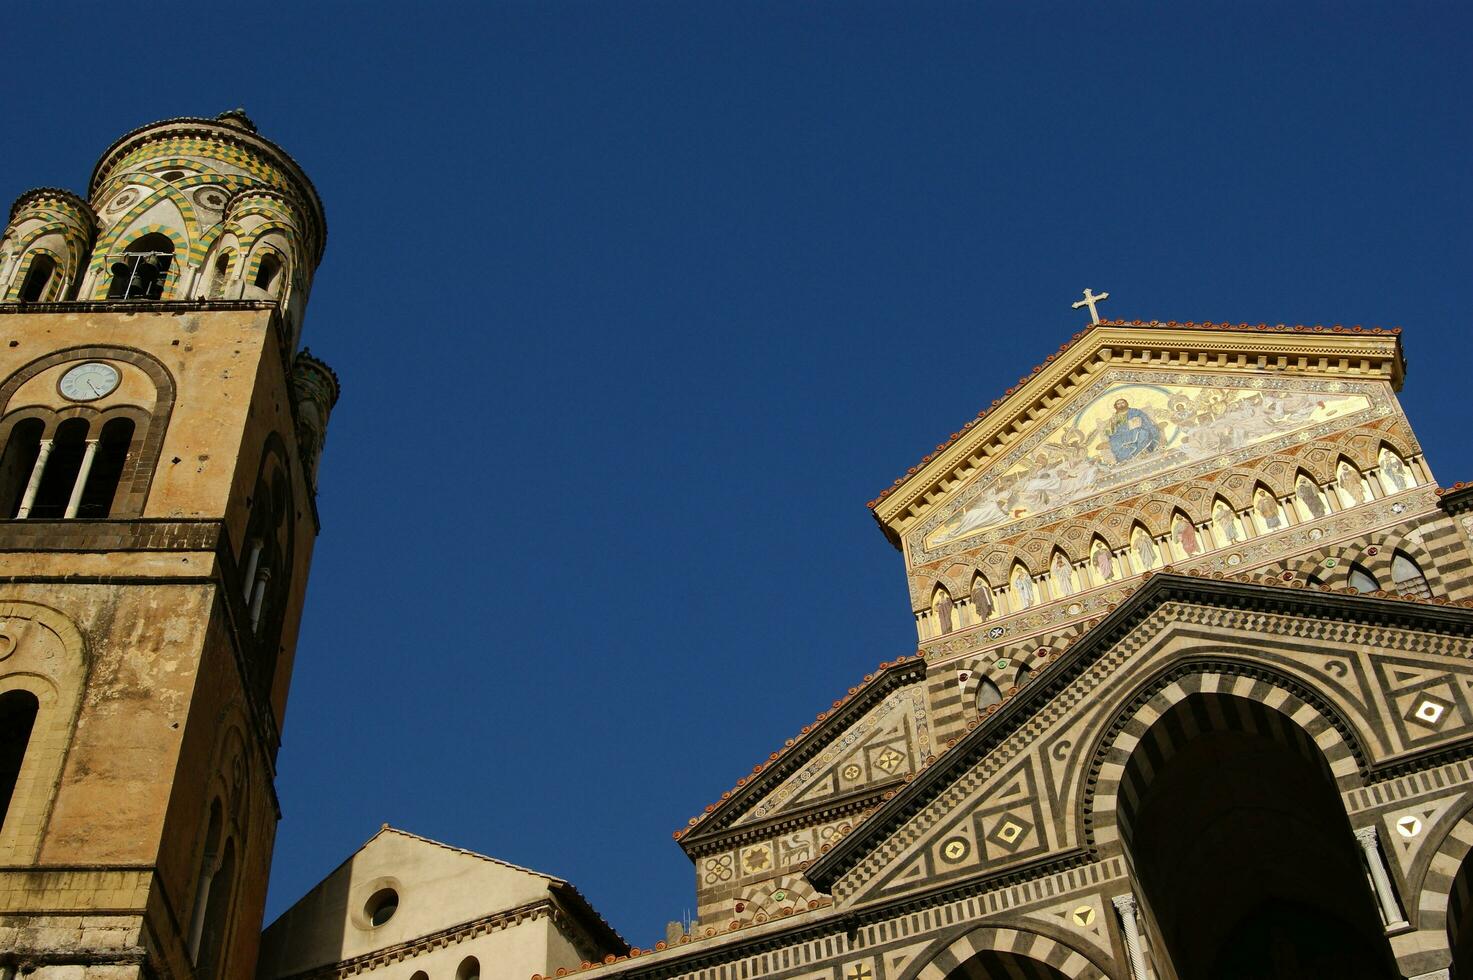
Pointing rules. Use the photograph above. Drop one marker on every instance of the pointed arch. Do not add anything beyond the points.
(1102, 562)
(988, 694)
(1351, 485)
(1061, 575)
(1309, 499)
(1024, 590)
(941, 609)
(1144, 554)
(1407, 577)
(1395, 474)
(1268, 513)
(1361, 580)
(981, 597)
(1185, 538)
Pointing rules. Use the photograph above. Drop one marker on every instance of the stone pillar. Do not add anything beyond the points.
(1125, 905)
(27, 501)
(1380, 879)
(75, 502)
(258, 600)
(252, 562)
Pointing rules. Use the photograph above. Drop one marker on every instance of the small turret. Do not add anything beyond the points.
(315, 391)
(45, 245)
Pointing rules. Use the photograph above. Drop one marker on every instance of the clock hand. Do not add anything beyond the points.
(94, 388)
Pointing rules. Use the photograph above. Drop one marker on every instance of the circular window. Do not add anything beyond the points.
(381, 907)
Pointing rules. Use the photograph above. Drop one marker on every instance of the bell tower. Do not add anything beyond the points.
(159, 439)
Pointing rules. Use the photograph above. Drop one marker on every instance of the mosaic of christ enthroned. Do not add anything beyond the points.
(1134, 430)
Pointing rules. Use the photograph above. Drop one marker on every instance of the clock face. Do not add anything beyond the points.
(90, 381)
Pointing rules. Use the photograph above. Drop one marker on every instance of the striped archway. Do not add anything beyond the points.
(1029, 956)
(1445, 890)
(1268, 704)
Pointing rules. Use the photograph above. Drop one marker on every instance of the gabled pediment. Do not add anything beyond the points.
(1191, 395)
(874, 737)
(989, 804)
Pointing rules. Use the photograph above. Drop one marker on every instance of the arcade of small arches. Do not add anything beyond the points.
(1218, 526)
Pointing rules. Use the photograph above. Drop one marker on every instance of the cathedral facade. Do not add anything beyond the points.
(1191, 695)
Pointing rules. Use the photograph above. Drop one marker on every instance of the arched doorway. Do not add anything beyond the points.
(998, 952)
(1460, 920)
(995, 965)
(1244, 857)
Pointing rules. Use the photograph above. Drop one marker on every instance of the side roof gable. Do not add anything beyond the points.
(328, 924)
(719, 817)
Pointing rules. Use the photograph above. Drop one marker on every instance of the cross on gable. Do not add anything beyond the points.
(1090, 299)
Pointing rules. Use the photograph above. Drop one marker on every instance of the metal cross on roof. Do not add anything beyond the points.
(1090, 299)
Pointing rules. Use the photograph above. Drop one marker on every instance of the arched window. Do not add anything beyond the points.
(108, 461)
(220, 275)
(17, 718)
(209, 863)
(1407, 576)
(268, 273)
(987, 695)
(1023, 675)
(59, 471)
(1361, 580)
(469, 969)
(38, 277)
(17, 462)
(143, 269)
(267, 569)
(217, 915)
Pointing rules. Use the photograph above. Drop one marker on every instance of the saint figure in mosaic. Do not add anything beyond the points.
(1186, 536)
(981, 598)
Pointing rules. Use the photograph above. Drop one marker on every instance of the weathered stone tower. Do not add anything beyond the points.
(159, 437)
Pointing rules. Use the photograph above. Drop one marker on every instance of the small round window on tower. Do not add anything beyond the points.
(382, 906)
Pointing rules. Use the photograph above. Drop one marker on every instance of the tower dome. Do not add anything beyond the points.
(204, 209)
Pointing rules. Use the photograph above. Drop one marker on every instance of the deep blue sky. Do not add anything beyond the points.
(635, 305)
